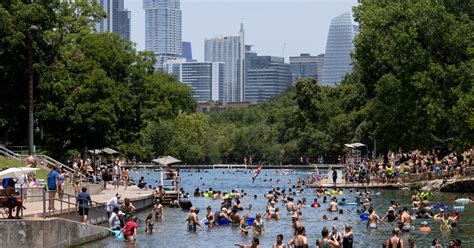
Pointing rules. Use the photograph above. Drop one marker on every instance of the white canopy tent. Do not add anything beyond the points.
(16, 172)
(166, 160)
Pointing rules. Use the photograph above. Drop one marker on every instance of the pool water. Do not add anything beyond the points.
(172, 232)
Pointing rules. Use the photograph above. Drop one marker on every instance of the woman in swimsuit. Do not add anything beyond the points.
(258, 225)
(326, 242)
(244, 227)
(62, 182)
(300, 240)
(347, 237)
(77, 180)
(394, 241)
(149, 224)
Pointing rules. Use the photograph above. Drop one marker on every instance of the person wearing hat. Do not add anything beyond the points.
(114, 202)
(193, 220)
(424, 227)
(347, 237)
(84, 201)
(391, 216)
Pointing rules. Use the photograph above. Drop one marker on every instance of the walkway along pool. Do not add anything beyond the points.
(172, 232)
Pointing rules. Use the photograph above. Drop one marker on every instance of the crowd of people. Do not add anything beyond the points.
(399, 166)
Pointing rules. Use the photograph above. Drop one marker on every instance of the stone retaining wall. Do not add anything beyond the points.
(52, 232)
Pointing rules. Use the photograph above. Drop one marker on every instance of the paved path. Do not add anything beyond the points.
(35, 209)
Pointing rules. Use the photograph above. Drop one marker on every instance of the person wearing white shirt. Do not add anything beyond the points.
(114, 220)
(113, 203)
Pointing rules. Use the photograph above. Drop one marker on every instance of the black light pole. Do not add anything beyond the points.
(31, 31)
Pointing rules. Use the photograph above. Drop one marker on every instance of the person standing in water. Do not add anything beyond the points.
(347, 237)
(258, 225)
(279, 242)
(193, 220)
(373, 218)
(394, 241)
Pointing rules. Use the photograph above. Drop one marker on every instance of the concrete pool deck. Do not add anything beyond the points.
(35, 209)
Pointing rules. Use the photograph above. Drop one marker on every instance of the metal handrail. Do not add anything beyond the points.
(72, 200)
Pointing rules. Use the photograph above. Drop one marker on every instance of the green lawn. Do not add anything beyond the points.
(7, 162)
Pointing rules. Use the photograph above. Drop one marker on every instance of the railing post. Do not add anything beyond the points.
(44, 203)
(69, 206)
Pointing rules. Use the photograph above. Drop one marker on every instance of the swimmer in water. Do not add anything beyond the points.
(279, 242)
(332, 205)
(258, 225)
(405, 218)
(373, 218)
(244, 227)
(193, 220)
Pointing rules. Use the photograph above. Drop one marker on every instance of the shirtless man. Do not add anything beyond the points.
(300, 239)
(332, 205)
(290, 206)
(373, 218)
(279, 242)
(193, 220)
(296, 224)
(406, 220)
(158, 209)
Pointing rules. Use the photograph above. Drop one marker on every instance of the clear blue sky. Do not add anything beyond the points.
(269, 24)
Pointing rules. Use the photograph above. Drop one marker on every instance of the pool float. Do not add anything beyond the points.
(221, 222)
(117, 233)
(185, 204)
(459, 208)
(439, 206)
(462, 201)
(351, 203)
(364, 217)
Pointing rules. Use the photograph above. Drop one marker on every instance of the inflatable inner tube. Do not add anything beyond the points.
(185, 204)
(462, 201)
(364, 217)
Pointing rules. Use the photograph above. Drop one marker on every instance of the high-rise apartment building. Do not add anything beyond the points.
(231, 51)
(163, 29)
(339, 46)
(205, 78)
(266, 77)
(187, 51)
(117, 20)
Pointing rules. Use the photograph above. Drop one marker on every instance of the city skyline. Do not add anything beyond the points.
(266, 30)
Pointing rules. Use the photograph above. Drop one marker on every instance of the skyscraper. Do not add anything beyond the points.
(121, 19)
(117, 20)
(163, 29)
(266, 77)
(187, 51)
(231, 51)
(204, 78)
(339, 46)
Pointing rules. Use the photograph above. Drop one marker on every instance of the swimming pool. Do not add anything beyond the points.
(172, 232)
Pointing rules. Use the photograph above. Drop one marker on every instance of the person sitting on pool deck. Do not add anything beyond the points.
(11, 200)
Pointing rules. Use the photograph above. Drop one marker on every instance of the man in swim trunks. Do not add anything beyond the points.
(373, 218)
(406, 220)
(193, 220)
(290, 206)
